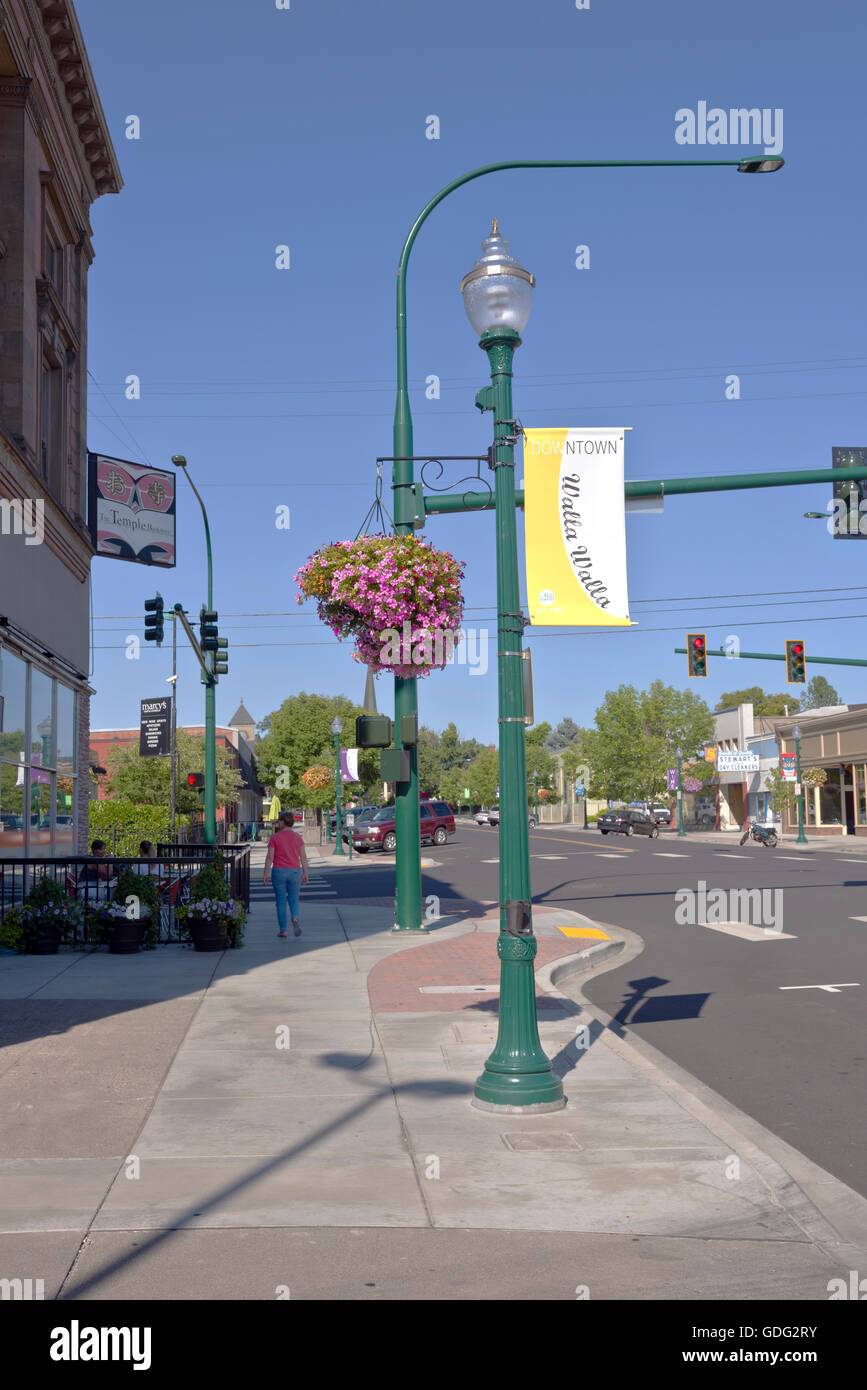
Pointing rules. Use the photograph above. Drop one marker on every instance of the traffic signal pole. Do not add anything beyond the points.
(209, 680)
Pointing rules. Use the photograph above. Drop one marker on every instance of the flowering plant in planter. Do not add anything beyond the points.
(226, 914)
(47, 919)
(12, 930)
(397, 597)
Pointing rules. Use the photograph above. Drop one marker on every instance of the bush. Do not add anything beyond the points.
(124, 824)
(210, 882)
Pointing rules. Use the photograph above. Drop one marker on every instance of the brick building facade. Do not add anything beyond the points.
(56, 159)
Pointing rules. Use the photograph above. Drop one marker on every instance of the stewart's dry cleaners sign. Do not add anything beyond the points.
(575, 527)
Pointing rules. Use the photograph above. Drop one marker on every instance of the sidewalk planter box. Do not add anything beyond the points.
(207, 935)
(126, 937)
(44, 938)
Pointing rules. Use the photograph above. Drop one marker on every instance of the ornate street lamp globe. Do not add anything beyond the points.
(796, 732)
(498, 292)
(337, 725)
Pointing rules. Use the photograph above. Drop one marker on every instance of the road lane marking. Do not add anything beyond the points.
(489, 861)
(858, 919)
(850, 860)
(747, 932)
(606, 854)
(727, 854)
(829, 989)
(668, 854)
(584, 931)
(549, 856)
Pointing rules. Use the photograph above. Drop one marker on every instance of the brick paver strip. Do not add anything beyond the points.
(393, 984)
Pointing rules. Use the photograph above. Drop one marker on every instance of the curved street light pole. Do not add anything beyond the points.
(407, 818)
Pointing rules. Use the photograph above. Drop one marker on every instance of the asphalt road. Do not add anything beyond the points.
(745, 1016)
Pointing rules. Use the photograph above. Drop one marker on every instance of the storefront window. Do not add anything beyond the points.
(65, 730)
(37, 805)
(41, 719)
(810, 798)
(830, 799)
(13, 705)
(860, 794)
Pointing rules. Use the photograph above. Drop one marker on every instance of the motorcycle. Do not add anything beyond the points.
(765, 835)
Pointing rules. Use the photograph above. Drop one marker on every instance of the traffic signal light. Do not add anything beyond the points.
(195, 779)
(696, 647)
(208, 630)
(154, 620)
(221, 657)
(796, 662)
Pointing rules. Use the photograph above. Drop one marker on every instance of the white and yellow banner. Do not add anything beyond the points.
(575, 527)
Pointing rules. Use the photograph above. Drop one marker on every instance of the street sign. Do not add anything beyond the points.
(579, 788)
(155, 728)
(131, 511)
(732, 760)
(467, 793)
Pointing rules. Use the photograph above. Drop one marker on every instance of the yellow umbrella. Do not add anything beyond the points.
(274, 809)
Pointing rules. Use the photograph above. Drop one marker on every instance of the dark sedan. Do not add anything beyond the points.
(628, 823)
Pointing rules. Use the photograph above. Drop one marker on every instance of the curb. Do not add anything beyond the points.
(832, 1215)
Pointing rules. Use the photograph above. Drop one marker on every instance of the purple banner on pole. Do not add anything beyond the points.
(672, 779)
(349, 764)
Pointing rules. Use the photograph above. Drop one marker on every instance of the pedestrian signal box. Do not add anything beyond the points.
(373, 731)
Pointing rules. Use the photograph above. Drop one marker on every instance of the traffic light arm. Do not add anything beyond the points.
(194, 643)
(664, 487)
(775, 656)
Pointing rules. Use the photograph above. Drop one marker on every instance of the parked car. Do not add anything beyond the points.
(628, 822)
(661, 814)
(436, 824)
(481, 817)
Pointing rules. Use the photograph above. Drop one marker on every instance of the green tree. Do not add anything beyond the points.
(761, 703)
(299, 735)
(483, 776)
(820, 693)
(636, 737)
(429, 759)
(565, 733)
(147, 781)
(782, 794)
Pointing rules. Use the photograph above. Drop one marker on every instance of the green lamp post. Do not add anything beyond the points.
(517, 1077)
(680, 827)
(210, 684)
(337, 730)
(536, 796)
(796, 735)
(407, 815)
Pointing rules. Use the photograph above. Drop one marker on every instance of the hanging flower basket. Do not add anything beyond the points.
(814, 777)
(316, 779)
(397, 597)
(544, 793)
(691, 784)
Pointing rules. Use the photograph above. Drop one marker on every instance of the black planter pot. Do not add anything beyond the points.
(208, 936)
(126, 937)
(44, 939)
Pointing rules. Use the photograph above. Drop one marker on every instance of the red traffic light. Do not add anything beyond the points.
(195, 779)
(698, 643)
(797, 648)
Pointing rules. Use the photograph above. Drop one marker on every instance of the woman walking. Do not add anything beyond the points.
(286, 863)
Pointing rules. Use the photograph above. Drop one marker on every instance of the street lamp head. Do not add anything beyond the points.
(337, 725)
(179, 461)
(760, 164)
(678, 752)
(498, 292)
(796, 731)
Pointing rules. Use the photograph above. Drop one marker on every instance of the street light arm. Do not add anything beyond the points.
(207, 539)
(414, 230)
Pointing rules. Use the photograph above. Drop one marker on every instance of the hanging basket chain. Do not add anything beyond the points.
(377, 512)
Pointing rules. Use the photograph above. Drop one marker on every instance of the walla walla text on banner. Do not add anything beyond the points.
(575, 528)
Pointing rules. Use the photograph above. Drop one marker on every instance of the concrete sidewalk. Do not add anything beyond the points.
(296, 1116)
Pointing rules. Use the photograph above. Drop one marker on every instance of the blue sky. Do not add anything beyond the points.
(306, 127)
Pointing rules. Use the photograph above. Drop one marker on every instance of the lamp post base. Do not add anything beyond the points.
(405, 931)
(542, 1108)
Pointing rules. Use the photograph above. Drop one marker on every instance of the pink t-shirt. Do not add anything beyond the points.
(287, 846)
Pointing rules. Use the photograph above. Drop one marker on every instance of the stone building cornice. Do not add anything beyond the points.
(56, 27)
